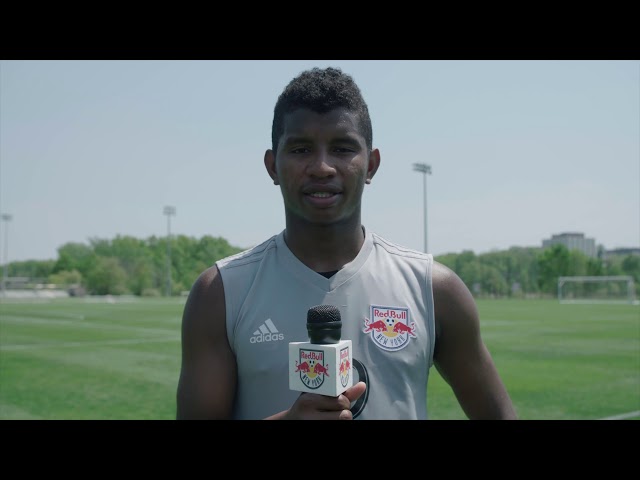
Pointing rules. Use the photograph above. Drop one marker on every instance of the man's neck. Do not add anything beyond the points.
(324, 248)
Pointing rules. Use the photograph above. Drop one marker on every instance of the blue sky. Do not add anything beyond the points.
(519, 150)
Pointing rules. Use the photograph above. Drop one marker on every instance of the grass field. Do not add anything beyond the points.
(91, 359)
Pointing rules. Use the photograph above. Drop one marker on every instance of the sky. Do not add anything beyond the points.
(519, 150)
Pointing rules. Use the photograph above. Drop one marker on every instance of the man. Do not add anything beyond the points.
(403, 311)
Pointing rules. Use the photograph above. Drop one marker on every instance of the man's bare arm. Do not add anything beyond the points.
(207, 383)
(461, 356)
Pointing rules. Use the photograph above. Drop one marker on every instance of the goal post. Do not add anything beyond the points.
(597, 289)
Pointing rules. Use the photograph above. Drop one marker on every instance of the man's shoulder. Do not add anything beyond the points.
(447, 284)
(399, 250)
(248, 256)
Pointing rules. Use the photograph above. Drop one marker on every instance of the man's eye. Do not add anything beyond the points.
(300, 150)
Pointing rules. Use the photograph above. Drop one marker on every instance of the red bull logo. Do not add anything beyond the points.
(312, 368)
(390, 327)
(345, 366)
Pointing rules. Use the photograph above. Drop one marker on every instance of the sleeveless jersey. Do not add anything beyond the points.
(386, 304)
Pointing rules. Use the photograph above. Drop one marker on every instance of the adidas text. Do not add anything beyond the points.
(267, 337)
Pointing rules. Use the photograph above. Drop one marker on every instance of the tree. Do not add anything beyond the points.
(75, 256)
(66, 278)
(31, 268)
(493, 281)
(107, 277)
(553, 262)
(631, 266)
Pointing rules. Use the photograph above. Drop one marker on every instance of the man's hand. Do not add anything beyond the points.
(312, 406)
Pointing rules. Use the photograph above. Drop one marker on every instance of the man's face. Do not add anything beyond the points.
(322, 164)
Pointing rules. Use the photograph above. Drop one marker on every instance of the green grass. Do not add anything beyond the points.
(558, 361)
(81, 359)
(73, 359)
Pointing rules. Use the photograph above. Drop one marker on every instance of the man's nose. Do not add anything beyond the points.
(322, 164)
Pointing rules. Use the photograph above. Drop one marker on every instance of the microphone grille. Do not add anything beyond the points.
(323, 314)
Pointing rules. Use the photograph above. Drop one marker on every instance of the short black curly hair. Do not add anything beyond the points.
(321, 90)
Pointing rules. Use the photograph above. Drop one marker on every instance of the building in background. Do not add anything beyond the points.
(620, 252)
(573, 241)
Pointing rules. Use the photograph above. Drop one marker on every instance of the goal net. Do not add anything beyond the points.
(597, 289)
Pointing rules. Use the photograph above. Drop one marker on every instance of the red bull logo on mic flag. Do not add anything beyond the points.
(390, 327)
(345, 366)
(311, 367)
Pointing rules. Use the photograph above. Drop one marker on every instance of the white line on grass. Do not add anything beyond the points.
(623, 416)
(125, 341)
(83, 324)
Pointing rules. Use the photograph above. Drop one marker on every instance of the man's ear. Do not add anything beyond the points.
(270, 165)
(372, 166)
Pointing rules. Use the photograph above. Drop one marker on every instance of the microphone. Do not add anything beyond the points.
(323, 364)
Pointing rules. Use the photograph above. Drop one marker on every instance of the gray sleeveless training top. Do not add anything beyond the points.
(386, 303)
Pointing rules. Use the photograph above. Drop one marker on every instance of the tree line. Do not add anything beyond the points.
(532, 271)
(127, 265)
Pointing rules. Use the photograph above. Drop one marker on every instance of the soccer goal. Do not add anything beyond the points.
(597, 289)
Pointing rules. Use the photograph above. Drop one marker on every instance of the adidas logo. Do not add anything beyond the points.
(267, 332)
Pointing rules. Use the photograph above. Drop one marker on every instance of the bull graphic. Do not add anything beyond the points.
(303, 367)
(400, 327)
(379, 326)
(319, 368)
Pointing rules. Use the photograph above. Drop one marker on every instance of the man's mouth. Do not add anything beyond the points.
(321, 194)
(323, 198)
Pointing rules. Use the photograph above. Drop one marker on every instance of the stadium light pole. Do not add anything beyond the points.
(5, 272)
(424, 169)
(168, 211)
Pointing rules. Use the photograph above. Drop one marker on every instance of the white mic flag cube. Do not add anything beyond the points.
(320, 368)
